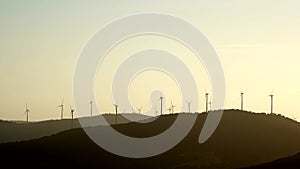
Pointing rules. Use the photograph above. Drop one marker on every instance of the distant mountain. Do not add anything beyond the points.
(11, 131)
(242, 139)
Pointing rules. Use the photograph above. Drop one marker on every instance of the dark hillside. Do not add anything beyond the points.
(242, 139)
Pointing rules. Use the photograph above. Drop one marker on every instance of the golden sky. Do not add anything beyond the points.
(257, 43)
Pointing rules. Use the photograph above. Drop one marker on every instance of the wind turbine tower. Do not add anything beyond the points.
(116, 109)
(206, 97)
(272, 96)
(189, 105)
(140, 110)
(61, 109)
(172, 107)
(91, 103)
(242, 101)
(72, 114)
(161, 102)
(27, 113)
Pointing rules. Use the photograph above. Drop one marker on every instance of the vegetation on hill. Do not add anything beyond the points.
(19, 131)
(242, 139)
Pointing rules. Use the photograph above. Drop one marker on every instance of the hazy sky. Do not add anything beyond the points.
(257, 43)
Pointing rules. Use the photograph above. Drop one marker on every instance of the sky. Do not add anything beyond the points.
(257, 43)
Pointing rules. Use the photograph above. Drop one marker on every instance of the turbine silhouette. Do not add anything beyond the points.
(172, 107)
(27, 113)
(161, 102)
(72, 115)
(242, 101)
(116, 111)
(206, 98)
(91, 103)
(61, 109)
(271, 96)
(189, 105)
(140, 110)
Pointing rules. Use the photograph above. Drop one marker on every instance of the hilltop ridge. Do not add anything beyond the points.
(242, 139)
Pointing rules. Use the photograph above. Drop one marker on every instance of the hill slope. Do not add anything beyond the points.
(18, 131)
(242, 139)
(291, 162)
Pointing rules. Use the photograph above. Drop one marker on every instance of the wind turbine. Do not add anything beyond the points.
(139, 109)
(189, 105)
(206, 98)
(91, 103)
(61, 109)
(272, 96)
(72, 114)
(116, 110)
(27, 113)
(210, 105)
(161, 102)
(169, 109)
(172, 107)
(242, 101)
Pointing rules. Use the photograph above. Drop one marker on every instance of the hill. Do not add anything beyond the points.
(242, 139)
(18, 131)
(291, 162)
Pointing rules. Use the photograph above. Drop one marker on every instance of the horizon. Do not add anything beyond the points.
(153, 116)
(41, 42)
